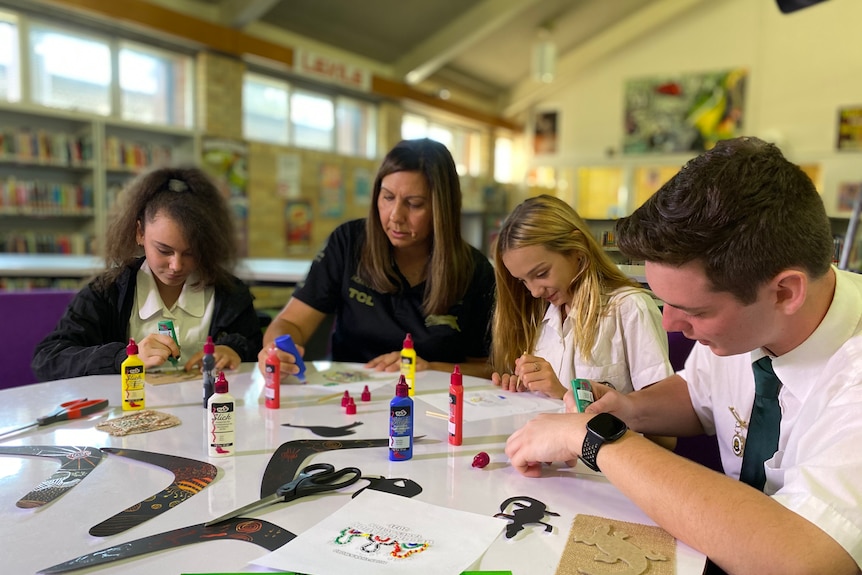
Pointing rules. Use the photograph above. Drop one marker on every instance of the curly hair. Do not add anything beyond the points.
(742, 210)
(549, 222)
(191, 199)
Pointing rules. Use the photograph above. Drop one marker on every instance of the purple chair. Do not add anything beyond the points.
(700, 448)
(28, 316)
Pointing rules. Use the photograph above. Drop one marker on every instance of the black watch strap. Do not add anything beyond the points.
(590, 450)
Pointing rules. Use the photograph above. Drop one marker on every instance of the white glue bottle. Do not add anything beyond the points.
(221, 426)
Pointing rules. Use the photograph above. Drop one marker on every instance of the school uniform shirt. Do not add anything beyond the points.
(191, 314)
(369, 323)
(816, 470)
(92, 334)
(630, 351)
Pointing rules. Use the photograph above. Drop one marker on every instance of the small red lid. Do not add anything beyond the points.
(455, 378)
(351, 407)
(221, 383)
(408, 342)
(209, 346)
(132, 348)
(401, 389)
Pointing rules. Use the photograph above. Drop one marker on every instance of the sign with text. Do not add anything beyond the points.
(319, 67)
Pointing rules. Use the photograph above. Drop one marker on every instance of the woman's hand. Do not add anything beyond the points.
(507, 382)
(536, 374)
(392, 362)
(287, 361)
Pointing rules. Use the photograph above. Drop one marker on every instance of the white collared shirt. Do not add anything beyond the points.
(191, 314)
(630, 352)
(816, 470)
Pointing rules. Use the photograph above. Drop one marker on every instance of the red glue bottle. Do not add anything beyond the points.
(456, 407)
(272, 380)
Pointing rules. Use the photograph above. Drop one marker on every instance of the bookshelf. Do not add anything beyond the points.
(60, 173)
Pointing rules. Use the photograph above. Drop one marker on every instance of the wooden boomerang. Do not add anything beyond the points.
(257, 531)
(190, 477)
(75, 464)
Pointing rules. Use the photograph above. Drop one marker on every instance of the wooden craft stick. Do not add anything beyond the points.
(436, 414)
(330, 396)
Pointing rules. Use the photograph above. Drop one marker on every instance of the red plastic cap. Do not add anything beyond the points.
(345, 399)
(401, 389)
(455, 378)
(408, 342)
(209, 346)
(351, 407)
(221, 383)
(132, 348)
(366, 394)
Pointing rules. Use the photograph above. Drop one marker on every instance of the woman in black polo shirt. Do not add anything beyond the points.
(403, 269)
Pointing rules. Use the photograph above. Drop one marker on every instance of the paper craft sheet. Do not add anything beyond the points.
(379, 533)
(333, 376)
(488, 403)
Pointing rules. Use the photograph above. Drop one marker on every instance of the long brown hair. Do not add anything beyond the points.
(450, 266)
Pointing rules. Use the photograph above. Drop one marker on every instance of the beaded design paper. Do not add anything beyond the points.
(602, 546)
(139, 422)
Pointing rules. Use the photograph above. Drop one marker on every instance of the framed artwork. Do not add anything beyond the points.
(685, 113)
(850, 128)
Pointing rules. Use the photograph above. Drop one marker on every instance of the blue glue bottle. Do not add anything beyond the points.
(401, 423)
(285, 343)
(208, 364)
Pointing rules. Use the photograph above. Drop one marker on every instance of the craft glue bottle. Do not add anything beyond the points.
(132, 373)
(401, 423)
(408, 364)
(208, 363)
(272, 380)
(456, 407)
(221, 424)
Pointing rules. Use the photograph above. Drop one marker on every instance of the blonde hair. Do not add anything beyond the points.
(549, 222)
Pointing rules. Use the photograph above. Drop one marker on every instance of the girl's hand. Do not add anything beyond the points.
(287, 361)
(155, 349)
(391, 362)
(536, 374)
(507, 382)
(225, 359)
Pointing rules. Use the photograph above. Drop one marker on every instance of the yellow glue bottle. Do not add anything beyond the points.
(132, 373)
(408, 365)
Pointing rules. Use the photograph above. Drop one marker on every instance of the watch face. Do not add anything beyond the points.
(607, 426)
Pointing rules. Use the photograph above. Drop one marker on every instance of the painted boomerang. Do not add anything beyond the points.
(327, 431)
(75, 464)
(257, 531)
(190, 477)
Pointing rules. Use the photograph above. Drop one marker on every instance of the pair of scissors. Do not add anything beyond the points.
(312, 479)
(70, 410)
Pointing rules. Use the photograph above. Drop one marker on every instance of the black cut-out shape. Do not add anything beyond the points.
(76, 463)
(257, 531)
(327, 431)
(190, 477)
(527, 510)
(396, 486)
(291, 456)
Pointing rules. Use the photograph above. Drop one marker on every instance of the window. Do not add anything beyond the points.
(155, 86)
(504, 157)
(462, 143)
(265, 109)
(355, 128)
(312, 118)
(70, 71)
(10, 73)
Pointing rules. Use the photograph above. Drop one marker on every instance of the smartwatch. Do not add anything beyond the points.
(601, 429)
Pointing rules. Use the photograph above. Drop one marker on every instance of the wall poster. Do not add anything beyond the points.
(226, 161)
(685, 113)
(331, 201)
(545, 133)
(297, 218)
(850, 128)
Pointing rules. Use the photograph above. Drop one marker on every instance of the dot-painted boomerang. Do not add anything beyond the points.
(75, 464)
(257, 531)
(326, 430)
(190, 477)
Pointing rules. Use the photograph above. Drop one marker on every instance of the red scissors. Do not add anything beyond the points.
(69, 410)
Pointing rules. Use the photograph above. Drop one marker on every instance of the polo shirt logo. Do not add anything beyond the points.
(361, 297)
(450, 320)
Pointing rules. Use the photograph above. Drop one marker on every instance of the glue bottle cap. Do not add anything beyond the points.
(408, 342)
(455, 378)
(209, 346)
(401, 389)
(351, 407)
(366, 394)
(221, 383)
(132, 348)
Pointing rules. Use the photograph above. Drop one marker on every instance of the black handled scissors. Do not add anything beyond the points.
(312, 479)
(69, 410)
